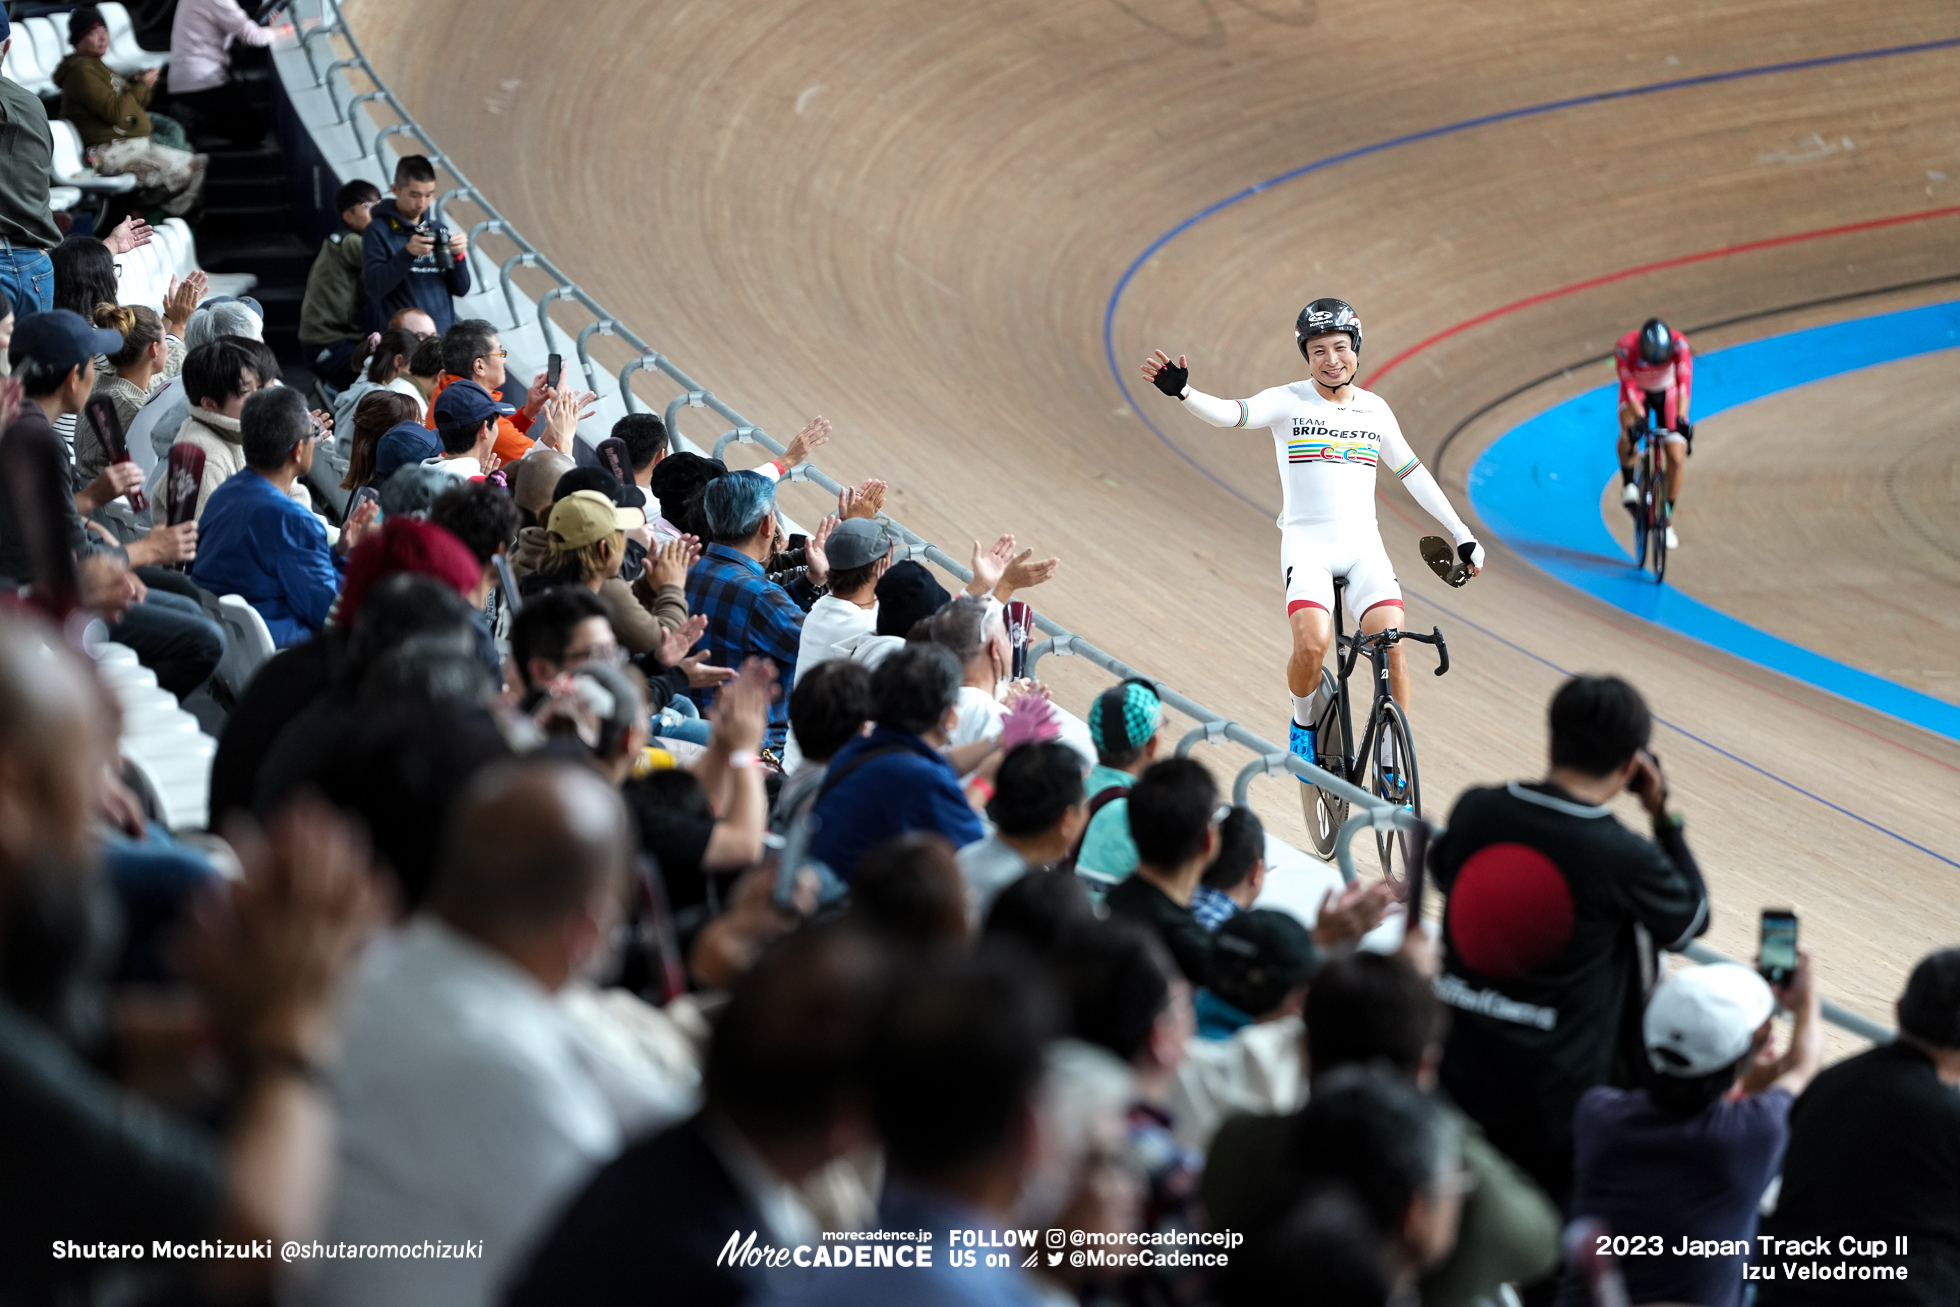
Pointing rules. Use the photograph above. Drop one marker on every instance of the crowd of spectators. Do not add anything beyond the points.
(602, 871)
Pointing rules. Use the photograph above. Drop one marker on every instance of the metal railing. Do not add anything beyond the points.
(1270, 759)
(1212, 727)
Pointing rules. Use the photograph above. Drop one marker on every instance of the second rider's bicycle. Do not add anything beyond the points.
(1385, 763)
(1650, 509)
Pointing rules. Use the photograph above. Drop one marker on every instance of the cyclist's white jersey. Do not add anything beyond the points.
(1328, 452)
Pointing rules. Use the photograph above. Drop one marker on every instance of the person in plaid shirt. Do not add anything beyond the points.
(749, 615)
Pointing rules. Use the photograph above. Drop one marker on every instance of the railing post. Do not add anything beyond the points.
(545, 324)
(650, 361)
(692, 399)
(1271, 764)
(1203, 732)
(603, 327)
(355, 127)
(339, 113)
(524, 259)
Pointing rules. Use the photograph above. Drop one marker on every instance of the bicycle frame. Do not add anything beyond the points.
(1348, 652)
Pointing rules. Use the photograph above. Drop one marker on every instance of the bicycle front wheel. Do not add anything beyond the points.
(1658, 533)
(1393, 779)
(1325, 812)
(1643, 484)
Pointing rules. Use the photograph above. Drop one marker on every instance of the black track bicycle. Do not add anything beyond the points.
(1385, 763)
(1651, 512)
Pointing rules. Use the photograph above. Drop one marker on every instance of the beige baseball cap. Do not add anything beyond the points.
(586, 517)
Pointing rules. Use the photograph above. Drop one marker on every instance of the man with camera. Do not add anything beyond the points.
(409, 261)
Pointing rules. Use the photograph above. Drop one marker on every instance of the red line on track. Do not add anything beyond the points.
(1679, 261)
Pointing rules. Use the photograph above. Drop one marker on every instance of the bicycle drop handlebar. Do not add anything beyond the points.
(1395, 636)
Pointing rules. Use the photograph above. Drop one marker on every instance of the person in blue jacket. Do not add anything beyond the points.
(409, 261)
(895, 780)
(256, 541)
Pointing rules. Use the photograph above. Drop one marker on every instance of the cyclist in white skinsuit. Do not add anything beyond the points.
(1329, 436)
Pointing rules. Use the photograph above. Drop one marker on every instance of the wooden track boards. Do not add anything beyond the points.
(910, 218)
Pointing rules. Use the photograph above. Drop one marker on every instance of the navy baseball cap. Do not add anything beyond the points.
(404, 443)
(466, 404)
(59, 339)
(6, 28)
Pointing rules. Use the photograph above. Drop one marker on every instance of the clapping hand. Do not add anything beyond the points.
(182, 300)
(1021, 574)
(129, 234)
(807, 442)
(816, 563)
(741, 710)
(867, 501)
(1351, 912)
(673, 645)
(989, 565)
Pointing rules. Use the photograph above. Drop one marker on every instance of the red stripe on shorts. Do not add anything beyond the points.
(1298, 604)
(1380, 603)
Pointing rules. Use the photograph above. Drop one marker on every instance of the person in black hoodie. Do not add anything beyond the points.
(408, 261)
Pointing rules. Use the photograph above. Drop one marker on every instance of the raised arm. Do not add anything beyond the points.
(1397, 456)
(1174, 380)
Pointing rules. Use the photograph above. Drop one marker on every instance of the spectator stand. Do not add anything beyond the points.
(161, 744)
(335, 95)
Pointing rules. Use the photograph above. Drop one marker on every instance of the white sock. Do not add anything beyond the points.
(1304, 711)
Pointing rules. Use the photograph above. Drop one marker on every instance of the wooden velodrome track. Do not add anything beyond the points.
(911, 217)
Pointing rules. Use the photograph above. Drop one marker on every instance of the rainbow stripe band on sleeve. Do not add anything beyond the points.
(1244, 412)
(1408, 467)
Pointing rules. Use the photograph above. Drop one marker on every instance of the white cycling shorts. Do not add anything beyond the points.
(1310, 557)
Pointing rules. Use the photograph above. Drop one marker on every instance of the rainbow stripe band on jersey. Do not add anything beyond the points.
(1408, 467)
(1244, 413)
(1362, 453)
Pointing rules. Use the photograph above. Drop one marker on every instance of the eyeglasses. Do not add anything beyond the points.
(610, 655)
(495, 354)
(119, 269)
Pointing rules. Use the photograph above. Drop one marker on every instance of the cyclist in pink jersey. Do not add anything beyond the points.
(1657, 371)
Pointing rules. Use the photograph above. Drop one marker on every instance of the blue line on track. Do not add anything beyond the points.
(1431, 133)
(1447, 129)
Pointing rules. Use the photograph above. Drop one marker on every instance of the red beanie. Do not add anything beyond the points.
(405, 544)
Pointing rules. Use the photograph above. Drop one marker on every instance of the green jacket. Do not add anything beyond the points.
(1107, 846)
(335, 292)
(103, 104)
(1508, 1234)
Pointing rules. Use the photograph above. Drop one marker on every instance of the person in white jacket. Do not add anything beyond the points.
(1329, 436)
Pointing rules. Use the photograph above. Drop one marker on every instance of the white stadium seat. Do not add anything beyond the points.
(248, 644)
(71, 170)
(24, 62)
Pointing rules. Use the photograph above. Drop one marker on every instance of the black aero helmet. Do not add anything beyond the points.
(1656, 342)
(1324, 316)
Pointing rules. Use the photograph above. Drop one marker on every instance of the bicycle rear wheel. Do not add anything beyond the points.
(1325, 812)
(1393, 779)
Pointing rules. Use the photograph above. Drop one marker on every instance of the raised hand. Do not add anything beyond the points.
(741, 709)
(815, 561)
(355, 528)
(182, 300)
(129, 234)
(867, 501)
(989, 565)
(1352, 912)
(673, 645)
(701, 675)
(268, 951)
(807, 442)
(1167, 376)
(1021, 574)
(669, 566)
